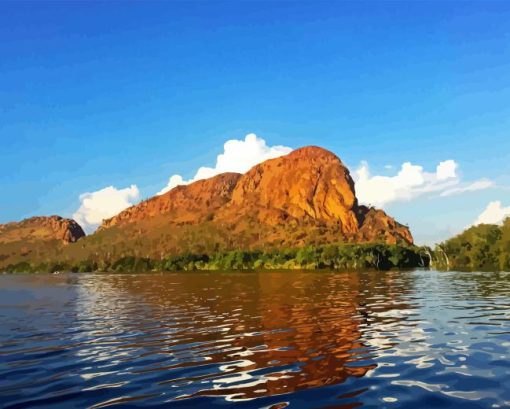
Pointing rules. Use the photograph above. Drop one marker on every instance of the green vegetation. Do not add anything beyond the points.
(338, 256)
(485, 247)
(480, 248)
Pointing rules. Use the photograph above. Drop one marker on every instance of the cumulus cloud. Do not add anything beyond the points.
(410, 182)
(103, 204)
(446, 170)
(494, 213)
(238, 156)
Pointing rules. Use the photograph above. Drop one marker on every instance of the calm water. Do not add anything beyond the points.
(256, 340)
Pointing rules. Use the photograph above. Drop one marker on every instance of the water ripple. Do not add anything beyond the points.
(257, 340)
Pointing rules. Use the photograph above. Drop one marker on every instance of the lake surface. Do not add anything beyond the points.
(416, 339)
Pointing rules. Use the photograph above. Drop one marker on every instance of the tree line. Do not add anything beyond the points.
(485, 247)
(377, 256)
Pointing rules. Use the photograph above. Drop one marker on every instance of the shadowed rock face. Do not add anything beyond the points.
(41, 228)
(285, 200)
(375, 223)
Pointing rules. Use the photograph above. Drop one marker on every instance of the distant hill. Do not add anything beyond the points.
(41, 228)
(304, 198)
(37, 238)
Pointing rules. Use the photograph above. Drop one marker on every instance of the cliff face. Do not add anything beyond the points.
(306, 196)
(42, 229)
(309, 184)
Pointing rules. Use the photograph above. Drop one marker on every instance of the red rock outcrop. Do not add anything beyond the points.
(310, 183)
(41, 228)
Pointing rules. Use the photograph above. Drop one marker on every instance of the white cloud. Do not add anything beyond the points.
(238, 156)
(494, 213)
(103, 204)
(410, 182)
(446, 169)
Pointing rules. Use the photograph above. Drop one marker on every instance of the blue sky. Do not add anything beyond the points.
(119, 94)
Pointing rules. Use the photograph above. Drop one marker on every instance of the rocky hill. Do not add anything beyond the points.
(37, 239)
(306, 197)
(41, 228)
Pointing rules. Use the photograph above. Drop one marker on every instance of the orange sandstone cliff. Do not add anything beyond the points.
(309, 184)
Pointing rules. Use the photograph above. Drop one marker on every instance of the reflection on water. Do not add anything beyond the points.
(259, 340)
